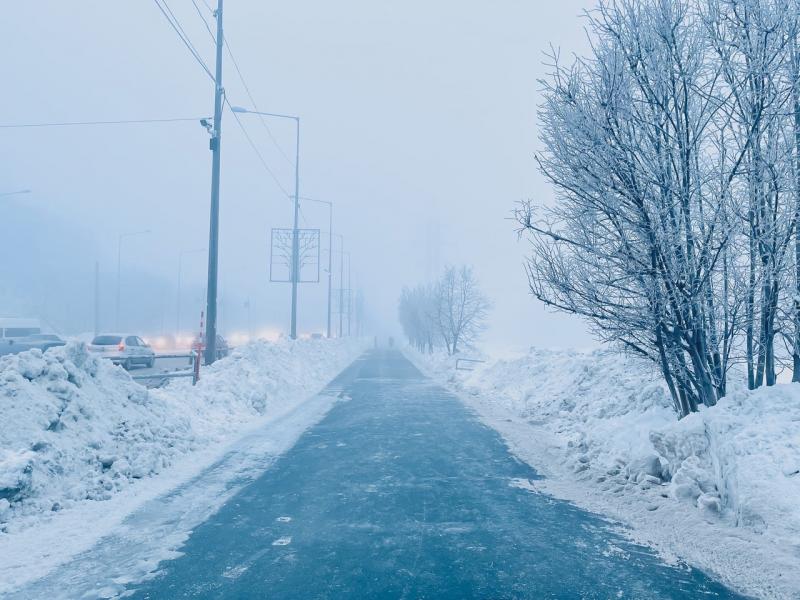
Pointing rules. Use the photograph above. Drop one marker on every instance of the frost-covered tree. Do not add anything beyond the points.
(635, 240)
(751, 41)
(792, 24)
(462, 308)
(417, 312)
(449, 313)
(674, 151)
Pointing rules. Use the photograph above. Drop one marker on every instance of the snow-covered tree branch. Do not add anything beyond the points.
(450, 313)
(673, 152)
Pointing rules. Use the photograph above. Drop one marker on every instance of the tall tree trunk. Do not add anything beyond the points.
(750, 309)
(770, 334)
(760, 254)
(666, 371)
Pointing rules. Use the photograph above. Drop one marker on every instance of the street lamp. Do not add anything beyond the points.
(295, 241)
(349, 293)
(330, 253)
(341, 279)
(3, 194)
(119, 266)
(180, 268)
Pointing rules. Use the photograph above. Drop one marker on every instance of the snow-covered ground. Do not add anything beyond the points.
(719, 489)
(82, 445)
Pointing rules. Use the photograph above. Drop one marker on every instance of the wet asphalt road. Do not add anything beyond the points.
(400, 492)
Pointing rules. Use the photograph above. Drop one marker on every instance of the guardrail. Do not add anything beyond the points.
(194, 372)
(467, 360)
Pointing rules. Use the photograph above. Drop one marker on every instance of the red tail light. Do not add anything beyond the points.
(121, 346)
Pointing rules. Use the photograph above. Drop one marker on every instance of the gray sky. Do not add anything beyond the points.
(418, 122)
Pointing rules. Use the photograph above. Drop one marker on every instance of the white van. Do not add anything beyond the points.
(14, 331)
(15, 327)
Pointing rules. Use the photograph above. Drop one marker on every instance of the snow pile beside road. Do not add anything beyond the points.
(603, 408)
(720, 488)
(76, 428)
(740, 458)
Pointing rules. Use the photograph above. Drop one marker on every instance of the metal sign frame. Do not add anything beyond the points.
(280, 256)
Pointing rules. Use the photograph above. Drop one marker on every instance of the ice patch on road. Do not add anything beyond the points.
(283, 541)
(523, 484)
(614, 550)
(235, 572)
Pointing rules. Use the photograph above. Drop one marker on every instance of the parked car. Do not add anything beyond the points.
(222, 345)
(43, 341)
(18, 335)
(123, 349)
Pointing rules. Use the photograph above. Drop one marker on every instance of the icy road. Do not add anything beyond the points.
(400, 492)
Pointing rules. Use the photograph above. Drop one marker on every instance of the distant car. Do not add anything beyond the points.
(43, 341)
(123, 349)
(222, 345)
(18, 335)
(316, 336)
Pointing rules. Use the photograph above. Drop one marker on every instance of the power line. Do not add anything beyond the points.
(258, 153)
(200, 14)
(174, 19)
(76, 123)
(175, 22)
(165, 10)
(253, 102)
(184, 37)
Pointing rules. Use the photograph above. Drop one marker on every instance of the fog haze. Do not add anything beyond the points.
(418, 123)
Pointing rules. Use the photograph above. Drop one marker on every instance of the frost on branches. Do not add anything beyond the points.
(674, 150)
(450, 313)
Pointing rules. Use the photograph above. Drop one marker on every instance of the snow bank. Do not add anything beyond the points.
(741, 459)
(720, 488)
(76, 428)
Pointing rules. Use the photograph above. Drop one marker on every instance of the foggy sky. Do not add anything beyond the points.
(418, 122)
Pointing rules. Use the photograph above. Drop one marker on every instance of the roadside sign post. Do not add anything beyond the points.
(197, 351)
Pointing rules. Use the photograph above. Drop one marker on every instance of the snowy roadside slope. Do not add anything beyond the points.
(719, 489)
(76, 429)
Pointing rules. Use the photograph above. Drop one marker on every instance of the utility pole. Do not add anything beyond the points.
(249, 321)
(341, 286)
(349, 294)
(213, 235)
(295, 233)
(96, 297)
(330, 264)
(119, 281)
(178, 301)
